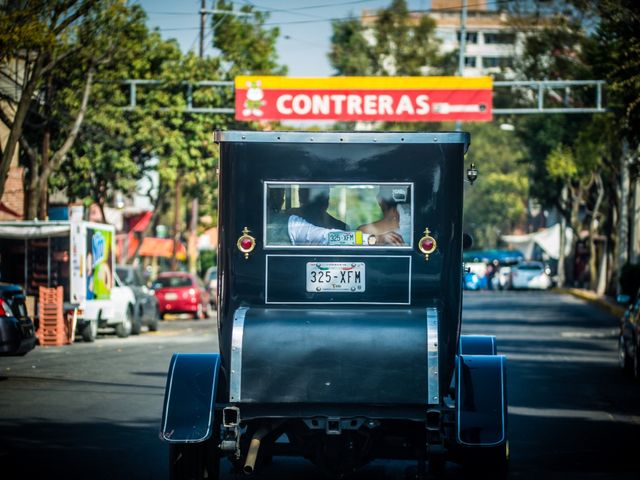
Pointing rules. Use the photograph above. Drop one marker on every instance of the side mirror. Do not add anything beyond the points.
(467, 241)
(623, 299)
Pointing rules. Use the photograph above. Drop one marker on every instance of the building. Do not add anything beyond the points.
(491, 42)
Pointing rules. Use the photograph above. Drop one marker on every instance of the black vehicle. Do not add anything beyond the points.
(17, 333)
(629, 337)
(146, 308)
(339, 267)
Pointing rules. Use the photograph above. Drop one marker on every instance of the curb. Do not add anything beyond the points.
(593, 298)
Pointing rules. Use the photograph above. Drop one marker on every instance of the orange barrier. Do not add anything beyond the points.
(53, 329)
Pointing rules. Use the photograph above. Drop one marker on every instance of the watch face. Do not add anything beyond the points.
(372, 240)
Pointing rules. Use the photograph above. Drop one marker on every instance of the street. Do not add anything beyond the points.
(92, 411)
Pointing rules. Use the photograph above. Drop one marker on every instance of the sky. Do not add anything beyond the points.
(305, 26)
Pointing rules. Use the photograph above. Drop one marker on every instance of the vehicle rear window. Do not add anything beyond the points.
(338, 215)
(172, 282)
(529, 267)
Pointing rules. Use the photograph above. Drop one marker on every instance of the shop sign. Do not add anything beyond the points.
(351, 99)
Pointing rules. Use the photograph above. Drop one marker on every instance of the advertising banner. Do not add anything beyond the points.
(99, 263)
(393, 99)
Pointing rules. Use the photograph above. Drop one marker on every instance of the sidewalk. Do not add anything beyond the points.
(605, 303)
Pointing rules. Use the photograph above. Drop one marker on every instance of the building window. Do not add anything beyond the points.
(500, 38)
(470, 37)
(497, 62)
(470, 62)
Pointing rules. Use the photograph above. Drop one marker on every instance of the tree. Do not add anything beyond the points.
(394, 43)
(497, 203)
(63, 47)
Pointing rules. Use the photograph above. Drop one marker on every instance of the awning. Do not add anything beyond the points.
(29, 230)
(547, 239)
(161, 247)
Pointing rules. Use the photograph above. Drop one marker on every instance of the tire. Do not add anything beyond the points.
(90, 331)
(489, 463)
(136, 323)
(625, 362)
(199, 315)
(123, 329)
(153, 325)
(196, 461)
(636, 362)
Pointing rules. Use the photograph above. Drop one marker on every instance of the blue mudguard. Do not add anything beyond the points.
(481, 402)
(477, 345)
(189, 398)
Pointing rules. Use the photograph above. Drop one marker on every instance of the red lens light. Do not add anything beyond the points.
(427, 244)
(246, 243)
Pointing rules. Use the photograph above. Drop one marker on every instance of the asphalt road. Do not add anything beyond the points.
(91, 411)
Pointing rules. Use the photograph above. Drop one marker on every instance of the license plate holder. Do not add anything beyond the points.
(346, 277)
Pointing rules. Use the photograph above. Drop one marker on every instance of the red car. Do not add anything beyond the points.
(181, 292)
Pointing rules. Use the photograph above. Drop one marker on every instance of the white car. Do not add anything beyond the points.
(117, 312)
(530, 275)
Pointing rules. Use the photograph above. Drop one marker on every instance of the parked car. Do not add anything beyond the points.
(124, 301)
(530, 275)
(629, 337)
(181, 292)
(475, 277)
(17, 333)
(211, 281)
(146, 308)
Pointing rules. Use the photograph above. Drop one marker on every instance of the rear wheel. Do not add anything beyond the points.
(90, 331)
(625, 362)
(123, 329)
(136, 323)
(196, 461)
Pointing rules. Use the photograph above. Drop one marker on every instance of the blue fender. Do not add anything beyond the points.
(481, 400)
(477, 345)
(189, 398)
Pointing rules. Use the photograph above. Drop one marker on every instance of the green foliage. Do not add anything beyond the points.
(561, 163)
(247, 47)
(395, 43)
(496, 203)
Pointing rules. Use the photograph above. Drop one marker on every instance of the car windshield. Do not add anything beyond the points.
(338, 214)
(213, 274)
(173, 282)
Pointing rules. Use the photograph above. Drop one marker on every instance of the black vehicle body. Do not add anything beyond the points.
(17, 332)
(629, 337)
(346, 376)
(146, 310)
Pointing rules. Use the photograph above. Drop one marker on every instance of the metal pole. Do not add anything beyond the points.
(462, 41)
(203, 19)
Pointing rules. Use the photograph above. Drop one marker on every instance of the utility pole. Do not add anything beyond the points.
(462, 42)
(192, 243)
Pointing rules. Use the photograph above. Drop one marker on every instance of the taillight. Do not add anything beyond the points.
(192, 291)
(5, 310)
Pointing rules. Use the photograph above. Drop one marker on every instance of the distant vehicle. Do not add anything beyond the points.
(531, 275)
(180, 292)
(502, 279)
(17, 333)
(211, 281)
(146, 308)
(476, 276)
(629, 338)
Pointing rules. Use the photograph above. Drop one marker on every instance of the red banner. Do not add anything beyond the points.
(399, 99)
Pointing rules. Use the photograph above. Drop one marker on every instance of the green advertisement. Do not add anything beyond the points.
(99, 274)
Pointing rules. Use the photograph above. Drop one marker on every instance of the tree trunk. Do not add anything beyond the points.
(176, 223)
(623, 220)
(26, 97)
(593, 230)
(563, 240)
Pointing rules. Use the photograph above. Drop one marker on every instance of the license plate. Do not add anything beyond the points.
(171, 296)
(335, 277)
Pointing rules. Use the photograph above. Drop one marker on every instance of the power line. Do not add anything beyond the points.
(337, 19)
